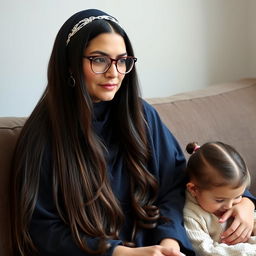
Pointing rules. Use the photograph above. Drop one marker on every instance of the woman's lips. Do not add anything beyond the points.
(109, 86)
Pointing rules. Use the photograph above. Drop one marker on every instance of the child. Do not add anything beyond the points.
(218, 177)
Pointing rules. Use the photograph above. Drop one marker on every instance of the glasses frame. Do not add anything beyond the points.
(91, 58)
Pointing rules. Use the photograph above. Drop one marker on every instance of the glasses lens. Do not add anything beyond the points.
(125, 65)
(100, 64)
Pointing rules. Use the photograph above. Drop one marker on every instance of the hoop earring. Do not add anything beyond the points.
(72, 81)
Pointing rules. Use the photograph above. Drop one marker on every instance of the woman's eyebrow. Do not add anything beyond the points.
(99, 52)
(105, 54)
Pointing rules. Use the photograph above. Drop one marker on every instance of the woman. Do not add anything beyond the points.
(96, 171)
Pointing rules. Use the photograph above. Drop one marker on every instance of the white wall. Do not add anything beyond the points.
(180, 44)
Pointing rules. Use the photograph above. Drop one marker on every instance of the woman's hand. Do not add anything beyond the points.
(155, 250)
(241, 228)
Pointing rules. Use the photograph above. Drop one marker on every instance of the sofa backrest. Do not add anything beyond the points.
(225, 112)
(9, 130)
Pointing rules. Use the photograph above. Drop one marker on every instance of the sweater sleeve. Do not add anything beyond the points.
(250, 196)
(168, 165)
(50, 234)
(204, 245)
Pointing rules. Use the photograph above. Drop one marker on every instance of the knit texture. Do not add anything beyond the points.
(204, 231)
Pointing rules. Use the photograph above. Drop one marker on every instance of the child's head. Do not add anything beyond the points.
(218, 176)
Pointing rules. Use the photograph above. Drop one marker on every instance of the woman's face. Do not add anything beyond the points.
(103, 87)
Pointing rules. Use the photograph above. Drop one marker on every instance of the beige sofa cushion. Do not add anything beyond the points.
(9, 130)
(225, 112)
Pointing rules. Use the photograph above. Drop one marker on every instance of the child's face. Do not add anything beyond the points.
(219, 199)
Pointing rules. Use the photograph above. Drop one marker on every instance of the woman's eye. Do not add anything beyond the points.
(99, 60)
(122, 61)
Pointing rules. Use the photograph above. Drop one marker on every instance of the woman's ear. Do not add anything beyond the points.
(192, 188)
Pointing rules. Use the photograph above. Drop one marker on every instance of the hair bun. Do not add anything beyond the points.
(192, 147)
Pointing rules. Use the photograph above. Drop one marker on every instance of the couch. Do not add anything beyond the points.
(225, 112)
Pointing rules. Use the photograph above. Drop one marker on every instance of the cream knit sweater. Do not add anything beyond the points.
(204, 231)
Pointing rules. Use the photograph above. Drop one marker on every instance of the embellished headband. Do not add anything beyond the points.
(86, 21)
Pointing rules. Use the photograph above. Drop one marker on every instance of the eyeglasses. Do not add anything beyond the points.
(101, 64)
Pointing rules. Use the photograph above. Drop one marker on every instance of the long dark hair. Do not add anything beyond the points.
(79, 169)
(216, 164)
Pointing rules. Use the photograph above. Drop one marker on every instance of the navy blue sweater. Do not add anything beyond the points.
(167, 163)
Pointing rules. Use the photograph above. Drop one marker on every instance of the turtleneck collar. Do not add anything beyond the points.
(101, 116)
(101, 111)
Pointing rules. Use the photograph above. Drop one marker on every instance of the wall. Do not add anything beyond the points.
(252, 37)
(180, 44)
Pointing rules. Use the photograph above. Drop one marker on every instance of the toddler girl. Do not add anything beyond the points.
(218, 178)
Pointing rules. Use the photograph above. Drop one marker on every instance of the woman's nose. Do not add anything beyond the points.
(112, 71)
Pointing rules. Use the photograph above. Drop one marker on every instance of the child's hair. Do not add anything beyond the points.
(216, 164)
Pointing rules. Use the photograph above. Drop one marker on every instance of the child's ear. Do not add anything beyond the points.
(192, 188)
